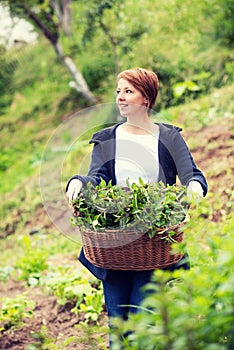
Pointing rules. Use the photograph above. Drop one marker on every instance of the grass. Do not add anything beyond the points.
(205, 111)
(39, 104)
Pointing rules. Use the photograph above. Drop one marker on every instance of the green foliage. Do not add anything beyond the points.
(116, 21)
(96, 72)
(32, 264)
(182, 48)
(191, 310)
(86, 295)
(22, 140)
(41, 97)
(188, 80)
(14, 310)
(67, 286)
(7, 68)
(141, 207)
(5, 273)
(42, 340)
(94, 336)
(208, 110)
(223, 22)
(180, 88)
(92, 306)
(43, 11)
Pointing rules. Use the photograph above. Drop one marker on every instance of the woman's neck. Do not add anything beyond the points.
(140, 126)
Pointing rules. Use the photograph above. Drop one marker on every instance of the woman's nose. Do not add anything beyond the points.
(120, 96)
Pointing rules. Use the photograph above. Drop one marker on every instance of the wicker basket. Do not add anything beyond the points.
(131, 251)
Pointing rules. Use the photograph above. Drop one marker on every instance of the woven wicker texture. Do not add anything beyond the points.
(131, 251)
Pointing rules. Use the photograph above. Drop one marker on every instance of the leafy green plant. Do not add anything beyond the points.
(8, 66)
(67, 287)
(141, 207)
(31, 266)
(5, 273)
(180, 88)
(190, 310)
(92, 306)
(86, 295)
(92, 336)
(42, 340)
(14, 310)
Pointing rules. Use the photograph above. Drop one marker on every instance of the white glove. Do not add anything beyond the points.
(73, 190)
(195, 190)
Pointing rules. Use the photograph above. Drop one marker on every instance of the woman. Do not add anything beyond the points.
(131, 150)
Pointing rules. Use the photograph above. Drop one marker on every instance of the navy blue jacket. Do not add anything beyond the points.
(175, 160)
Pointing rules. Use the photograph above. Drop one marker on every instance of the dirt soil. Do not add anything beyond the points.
(60, 322)
(214, 155)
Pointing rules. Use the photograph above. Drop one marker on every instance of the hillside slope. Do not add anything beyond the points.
(213, 152)
(208, 129)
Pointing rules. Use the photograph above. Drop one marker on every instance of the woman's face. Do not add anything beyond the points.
(130, 100)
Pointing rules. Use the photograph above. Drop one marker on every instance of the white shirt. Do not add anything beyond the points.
(136, 157)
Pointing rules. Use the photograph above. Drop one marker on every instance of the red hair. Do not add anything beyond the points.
(143, 80)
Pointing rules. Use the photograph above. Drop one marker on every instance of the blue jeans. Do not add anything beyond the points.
(123, 289)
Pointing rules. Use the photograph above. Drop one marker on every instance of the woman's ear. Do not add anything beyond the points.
(146, 101)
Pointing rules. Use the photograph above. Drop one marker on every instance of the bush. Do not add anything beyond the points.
(190, 310)
(223, 22)
(96, 73)
(7, 68)
(188, 80)
(14, 310)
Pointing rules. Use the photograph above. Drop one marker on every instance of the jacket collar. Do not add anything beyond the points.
(109, 132)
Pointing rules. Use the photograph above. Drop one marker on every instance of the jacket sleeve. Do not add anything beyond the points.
(185, 165)
(99, 166)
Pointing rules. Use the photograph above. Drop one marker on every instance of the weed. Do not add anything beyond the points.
(14, 310)
(67, 287)
(92, 306)
(5, 273)
(32, 265)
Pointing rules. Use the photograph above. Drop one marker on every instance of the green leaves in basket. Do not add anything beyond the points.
(140, 207)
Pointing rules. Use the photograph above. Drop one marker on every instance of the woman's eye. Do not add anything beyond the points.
(128, 91)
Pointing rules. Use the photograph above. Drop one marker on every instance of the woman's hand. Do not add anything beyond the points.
(194, 191)
(74, 189)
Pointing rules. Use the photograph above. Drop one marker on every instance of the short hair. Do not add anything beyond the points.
(144, 80)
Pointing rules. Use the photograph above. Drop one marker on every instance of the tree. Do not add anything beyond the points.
(52, 17)
(117, 23)
(224, 24)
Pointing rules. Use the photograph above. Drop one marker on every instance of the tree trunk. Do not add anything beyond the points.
(66, 18)
(79, 82)
(63, 11)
